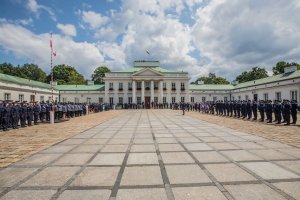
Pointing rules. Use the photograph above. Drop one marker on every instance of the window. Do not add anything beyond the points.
(215, 98)
(76, 100)
(192, 99)
(88, 100)
(266, 96)
(64, 100)
(147, 84)
(164, 99)
(294, 95)
(129, 85)
(111, 86)
(120, 100)
(173, 86)
(182, 99)
(155, 85)
(21, 97)
(182, 86)
(138, 85)
(155, 99)
(239, 97)
(6, 96)
(225, 98)
(41, 98)
(56, 99)
(120, 86)
(164, 86)
(246, 97)
(50, 99)
(173, 99)
(278, 96)
(138, 100)
(111, 100)
(100, 100)
(32, 98)
(129, 99)
(203, 99)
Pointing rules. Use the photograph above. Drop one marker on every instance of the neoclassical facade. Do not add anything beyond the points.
(148, 82)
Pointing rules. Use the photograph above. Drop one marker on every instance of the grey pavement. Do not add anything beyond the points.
(157, 154)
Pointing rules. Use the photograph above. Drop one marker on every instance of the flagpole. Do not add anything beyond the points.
(52, 99)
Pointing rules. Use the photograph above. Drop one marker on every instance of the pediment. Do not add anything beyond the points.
(147, 72)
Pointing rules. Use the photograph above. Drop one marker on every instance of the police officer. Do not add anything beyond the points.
(294, 107)
(30, 114)
(254, 110)
(261, 108)
(36, 112)
(5, 116)
(1, 111)
(287, 112)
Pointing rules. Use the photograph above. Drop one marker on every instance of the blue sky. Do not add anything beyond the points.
(225, 37)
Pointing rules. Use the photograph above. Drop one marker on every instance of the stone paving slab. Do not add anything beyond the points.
(150, 154)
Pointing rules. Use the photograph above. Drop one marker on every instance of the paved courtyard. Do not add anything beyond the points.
(157, 154)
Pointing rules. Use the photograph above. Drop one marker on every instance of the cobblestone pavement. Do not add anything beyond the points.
(286, 134)
(17, 144)
(154, 154)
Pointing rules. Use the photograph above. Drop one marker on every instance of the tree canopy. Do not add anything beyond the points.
(99, 74)
(279, 67)
(211, 79)
(66, 75)
(29, 71)
(254, 74)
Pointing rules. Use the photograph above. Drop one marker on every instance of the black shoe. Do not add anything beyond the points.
(286, 124)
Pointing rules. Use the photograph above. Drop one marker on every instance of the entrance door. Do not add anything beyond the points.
(255, 97)
(147, 102)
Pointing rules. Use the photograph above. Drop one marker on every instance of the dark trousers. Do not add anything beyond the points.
(294, 116)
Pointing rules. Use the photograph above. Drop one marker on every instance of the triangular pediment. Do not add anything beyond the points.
(147, 72)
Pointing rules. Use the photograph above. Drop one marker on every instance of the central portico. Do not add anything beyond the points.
(146, 83)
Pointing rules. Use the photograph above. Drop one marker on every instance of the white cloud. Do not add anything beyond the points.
(36, 8)
(93, 19)
(67, 29)
(237, 35)
(35, 47)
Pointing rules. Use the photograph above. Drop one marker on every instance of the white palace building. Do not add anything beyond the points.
(147, 82)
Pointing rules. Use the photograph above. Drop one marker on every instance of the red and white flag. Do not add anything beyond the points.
(147, 52)
(51, 40)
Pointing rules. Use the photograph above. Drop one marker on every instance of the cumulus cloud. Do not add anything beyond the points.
(237, 35)
(36, 8)
(93, 19)
(35, 47)
(67, 29)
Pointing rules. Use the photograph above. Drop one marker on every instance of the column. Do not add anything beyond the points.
(133, 92)
(143, 91)
(161, 92)
(152, 92)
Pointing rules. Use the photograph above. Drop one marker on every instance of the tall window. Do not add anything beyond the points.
(173, 99)
(88, 100)
(76, 100)
(232, 98)
(182, 99)
(164, 85)
(192, 99)
(147, 84)
(111, 100)
(6, 96)
(64, 100)
(164, 99)
(120, 86)
(182, 86)
(138, 85)
(138, 100)
(129, 85)
(215, 98)
(203, 99)
(129, 99)
(173, 86)
(121, 100)
(111, 86)
(278, 96)
(246, 97)
(155, 99)
(239, 97)
(294, 95)
(156, 85)
(100, 100)
(21, 97)
(266, 96)
(32, 98)
(41, 98)
(225, 98)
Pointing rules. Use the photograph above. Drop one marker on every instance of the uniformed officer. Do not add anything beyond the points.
(1, 111)
(36, 112)
(5, 116)
(254, 109)
(261, 108)
(30, 114)
(287, 112)
(294, 107)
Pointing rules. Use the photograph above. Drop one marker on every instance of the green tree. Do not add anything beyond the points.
(211, 79)
(99, 74)
(33, 72)
(279, 67)
(254, 74)
(66, 75)
(9, 69)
